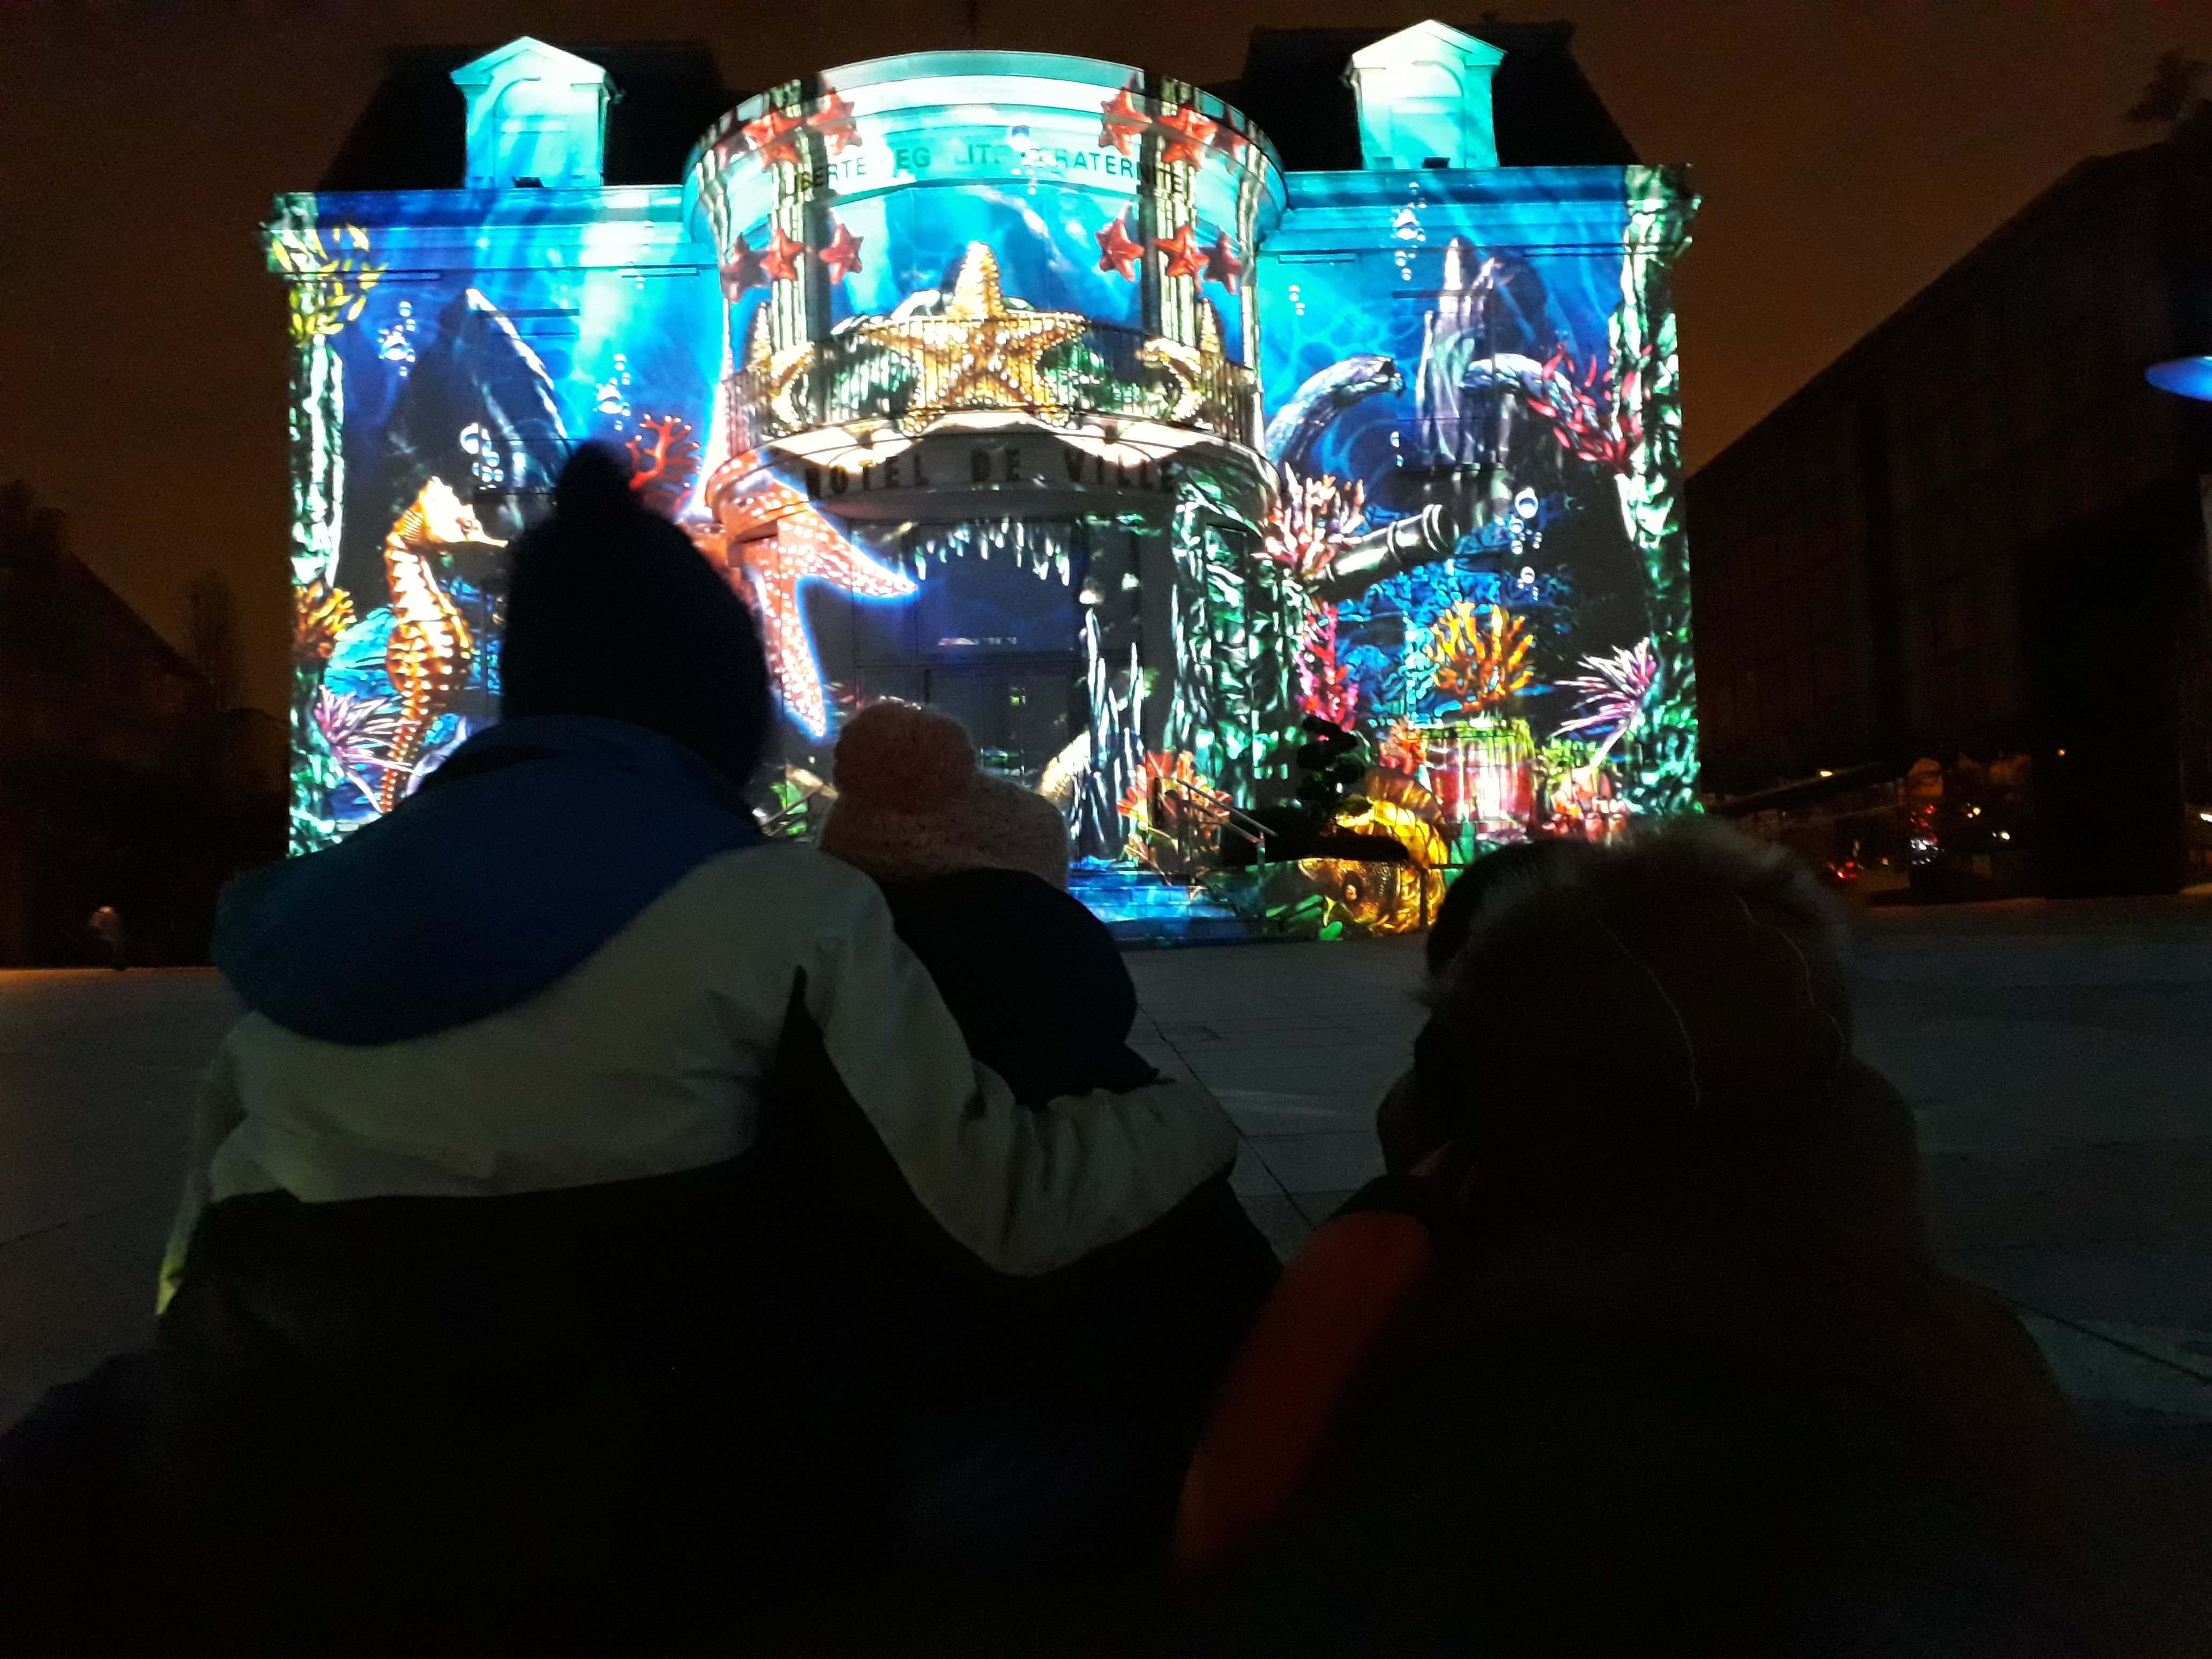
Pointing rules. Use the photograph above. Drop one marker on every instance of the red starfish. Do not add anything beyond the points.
(741, 269)
(842, 254)
(1191, 131)
(1222, 265)
(781, 258)
(1118, 251)
(1184, 257)
(727, 149)
(834, 121)
(772, 136)
(1123, 121)
(1230, 142)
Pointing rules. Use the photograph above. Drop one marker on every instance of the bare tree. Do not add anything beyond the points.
(214, 637)
(2175, 92)
(27, 528)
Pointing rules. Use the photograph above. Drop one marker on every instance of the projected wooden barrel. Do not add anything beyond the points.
(1483, 773)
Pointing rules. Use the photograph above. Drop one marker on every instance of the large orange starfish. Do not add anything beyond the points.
(800, 545)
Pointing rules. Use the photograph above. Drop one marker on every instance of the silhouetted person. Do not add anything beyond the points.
(107, 925)
(1493, 873)
(479, 1325)
(1643, 1349)
(1045, 1422)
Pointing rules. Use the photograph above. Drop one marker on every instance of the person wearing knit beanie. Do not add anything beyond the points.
(611, 611)
(486, 1215)
(912, 803)
(1046, 1423)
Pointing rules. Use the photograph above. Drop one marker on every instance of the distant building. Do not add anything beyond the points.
(1950, 600)
(122, 782)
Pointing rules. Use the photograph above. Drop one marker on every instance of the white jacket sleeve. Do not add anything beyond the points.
(215, 1113)
(1026, 1190)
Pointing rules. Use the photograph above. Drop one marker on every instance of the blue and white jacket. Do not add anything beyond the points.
(569, 960)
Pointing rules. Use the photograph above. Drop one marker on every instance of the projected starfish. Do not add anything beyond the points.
(742, 269)
(996, 347)
(781, 258)
(833, 118)
(1121, 121)
(1222, 265)
(1118, 251)
(802, 546)
(806, 547)
(1187, 133)
(773, 137)
(840, 254)
(1181, 257)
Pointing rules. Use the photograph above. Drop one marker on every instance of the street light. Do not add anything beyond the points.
(2187, 377)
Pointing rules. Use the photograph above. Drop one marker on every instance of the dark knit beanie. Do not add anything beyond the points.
(612, 611)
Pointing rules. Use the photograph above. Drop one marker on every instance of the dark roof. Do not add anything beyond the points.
(1547, 111)
(413, 136)
(2014, 246)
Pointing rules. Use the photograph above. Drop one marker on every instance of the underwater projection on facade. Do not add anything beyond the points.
(1472, 412)
(1032, 387)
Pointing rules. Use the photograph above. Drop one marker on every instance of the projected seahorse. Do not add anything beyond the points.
(430, 648)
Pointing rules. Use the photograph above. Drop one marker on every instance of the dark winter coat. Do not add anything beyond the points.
(1654, 1357)
(1044, 1421)
(488, 1314)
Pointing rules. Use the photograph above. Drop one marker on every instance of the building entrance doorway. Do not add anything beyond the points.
(993, 637)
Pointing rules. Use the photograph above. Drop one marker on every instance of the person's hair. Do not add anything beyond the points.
(1677, 984)
(611, 611)
(1492, 873)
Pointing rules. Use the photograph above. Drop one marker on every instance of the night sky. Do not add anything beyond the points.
(1848, 150)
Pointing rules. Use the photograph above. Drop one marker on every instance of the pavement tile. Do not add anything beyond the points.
(2080, 1116)
(2085, 1194)
(1249, 1176)
(2160, 1284)
(1280, 1222)
(1317, 1207)
(1330, 1162)
(2098, 1372)
(2178, 1345)
(1946, 1056)
(1278, 1112)
(73, 1294)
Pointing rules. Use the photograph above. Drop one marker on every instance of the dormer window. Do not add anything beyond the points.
(1423, 95)
(538, 118)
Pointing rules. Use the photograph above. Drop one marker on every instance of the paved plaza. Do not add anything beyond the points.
(2058, 1057)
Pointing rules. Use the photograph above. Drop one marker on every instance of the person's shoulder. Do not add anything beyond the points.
(1018, 912)
(788, 879)
(987, 888)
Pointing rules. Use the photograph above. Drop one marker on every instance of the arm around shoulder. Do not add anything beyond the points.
(217, 1112)
(1026, 1191)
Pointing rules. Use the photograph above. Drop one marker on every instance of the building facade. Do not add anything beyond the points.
(124, 781)
(1951, 597)
(1047, 391)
